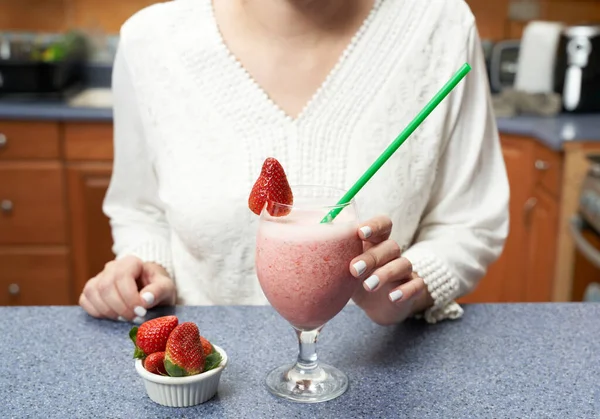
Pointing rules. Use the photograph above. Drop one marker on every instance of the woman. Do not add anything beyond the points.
(205, 91)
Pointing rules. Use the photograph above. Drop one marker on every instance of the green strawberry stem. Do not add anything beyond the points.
(212, 361)
(174, 370)
(133, 334)
(137, 353)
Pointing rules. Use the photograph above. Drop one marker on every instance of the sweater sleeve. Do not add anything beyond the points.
(465, 223)
(136, 214)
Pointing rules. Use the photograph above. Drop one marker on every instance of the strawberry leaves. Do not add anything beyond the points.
(213, 360)
(137, 352)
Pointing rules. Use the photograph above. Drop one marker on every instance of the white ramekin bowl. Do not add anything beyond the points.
(182, 391)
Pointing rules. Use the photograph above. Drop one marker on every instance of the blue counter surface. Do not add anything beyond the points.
(498, 361)
(552, 132)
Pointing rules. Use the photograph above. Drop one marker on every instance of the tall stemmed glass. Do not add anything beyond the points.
(303, 269)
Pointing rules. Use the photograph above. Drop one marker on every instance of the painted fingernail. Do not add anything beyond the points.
(396, 295)
(121, 319)
(366, 231)
(140, 311)
(360, 267)
(371, 282)
(138, 320)
(148, 297)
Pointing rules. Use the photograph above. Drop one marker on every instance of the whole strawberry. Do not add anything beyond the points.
(155, 363)
(206, 346)
(184, 354)
(152, 335)
(271, 187)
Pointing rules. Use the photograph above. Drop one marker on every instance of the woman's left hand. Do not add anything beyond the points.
(391, 291)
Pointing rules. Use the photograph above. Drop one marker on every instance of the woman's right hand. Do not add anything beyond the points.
(126, 288)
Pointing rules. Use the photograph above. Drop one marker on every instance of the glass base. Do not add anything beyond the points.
(319, 384)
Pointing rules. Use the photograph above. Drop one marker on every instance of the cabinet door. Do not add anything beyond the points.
(32, 203)
(90, 230)
(34, 276)
(541, 222)
(503, 281)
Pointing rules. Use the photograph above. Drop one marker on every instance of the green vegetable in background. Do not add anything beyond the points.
(72, 43)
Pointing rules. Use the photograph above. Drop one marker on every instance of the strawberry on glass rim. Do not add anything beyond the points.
(271, 188)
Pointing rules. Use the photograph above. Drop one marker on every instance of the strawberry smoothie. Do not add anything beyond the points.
(303, 266)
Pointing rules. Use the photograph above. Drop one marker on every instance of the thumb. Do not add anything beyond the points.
(160, 290)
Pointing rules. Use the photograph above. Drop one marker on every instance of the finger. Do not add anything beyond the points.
(127, 266)
(160, 289)
(374, 258)
(394, 271)
(108, 292)
(408, 291)
(88, 307)
(128, 290)
(92, 293)
(126, 272)
(113, 299)
(376, 230)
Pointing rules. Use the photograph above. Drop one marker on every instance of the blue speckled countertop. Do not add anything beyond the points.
(553, 132)
(50, 110)
(498, 361)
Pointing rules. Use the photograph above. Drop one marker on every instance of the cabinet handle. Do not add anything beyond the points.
(14, 289)
(3, 140)
(6, 206)
(542, 165)
(529, 207)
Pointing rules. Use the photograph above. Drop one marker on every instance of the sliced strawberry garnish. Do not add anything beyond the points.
(271, 187)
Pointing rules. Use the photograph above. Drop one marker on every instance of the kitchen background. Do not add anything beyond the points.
(56, 145)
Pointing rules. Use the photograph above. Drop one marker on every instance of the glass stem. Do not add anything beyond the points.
(307, 353)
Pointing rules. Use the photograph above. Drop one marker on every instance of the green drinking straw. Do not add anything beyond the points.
(414, 124)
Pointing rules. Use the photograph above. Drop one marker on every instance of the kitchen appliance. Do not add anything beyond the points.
(504, 57)
(537, 57)
(585, 231)
(48, 65)
(577, 72)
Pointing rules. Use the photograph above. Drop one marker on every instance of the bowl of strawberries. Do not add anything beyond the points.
(179, 367)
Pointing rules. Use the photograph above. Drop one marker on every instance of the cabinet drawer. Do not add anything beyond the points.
(34, 276)
(548, 170)
(86, 141)
(32, 203)
(29, 140)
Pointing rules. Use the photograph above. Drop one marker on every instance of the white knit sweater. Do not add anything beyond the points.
(192, 130)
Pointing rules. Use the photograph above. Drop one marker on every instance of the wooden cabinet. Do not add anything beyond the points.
(90, 229)
(525, 270)
(31, 141)
(88, 153)
(34, 276)
(53, 233)
(32, 203)
(34, 253)
(541, 226)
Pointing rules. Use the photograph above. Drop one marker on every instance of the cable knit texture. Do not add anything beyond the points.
(192, 130)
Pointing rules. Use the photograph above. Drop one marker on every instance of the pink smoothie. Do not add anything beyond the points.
(303, 266)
